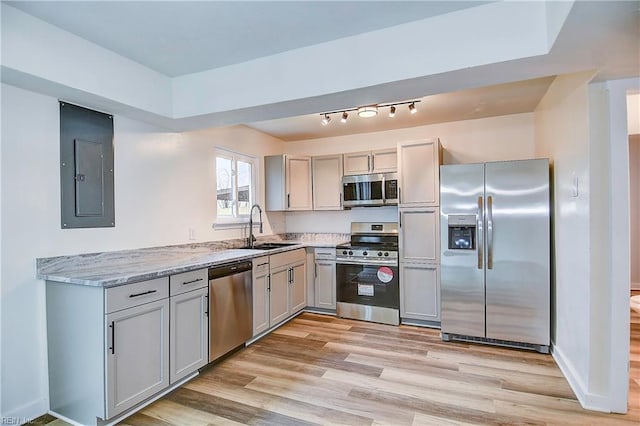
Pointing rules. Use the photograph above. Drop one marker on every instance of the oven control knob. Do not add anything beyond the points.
(344, 252)
(350, 252)
(379, 253)
(364, 253)
(386, 253)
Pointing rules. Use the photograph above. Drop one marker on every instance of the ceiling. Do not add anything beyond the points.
(215, 63)
(183, 37)
(490, 101)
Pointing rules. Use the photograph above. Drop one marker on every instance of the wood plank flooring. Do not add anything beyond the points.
(323, 370)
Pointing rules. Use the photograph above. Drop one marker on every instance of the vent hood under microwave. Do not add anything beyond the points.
(371, 190)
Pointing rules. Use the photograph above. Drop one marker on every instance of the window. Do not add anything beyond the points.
(235, 184)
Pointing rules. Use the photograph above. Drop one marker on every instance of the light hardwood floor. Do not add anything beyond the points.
(323, 370)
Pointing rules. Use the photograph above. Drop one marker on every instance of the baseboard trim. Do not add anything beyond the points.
(26, 413)
(635, 286)
(588, 401)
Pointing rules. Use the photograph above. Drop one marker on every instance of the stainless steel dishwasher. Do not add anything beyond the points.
(230, 307)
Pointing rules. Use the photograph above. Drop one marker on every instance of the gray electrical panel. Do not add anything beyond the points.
(86, 168)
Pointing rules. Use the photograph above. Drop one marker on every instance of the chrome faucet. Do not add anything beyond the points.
(252, 238)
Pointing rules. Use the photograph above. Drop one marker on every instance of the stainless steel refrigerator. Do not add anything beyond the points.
(495, 253)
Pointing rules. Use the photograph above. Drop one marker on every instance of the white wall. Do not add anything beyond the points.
(164, 184)
(508, 137)
(633, 113)
(634, 204)
(572, 129)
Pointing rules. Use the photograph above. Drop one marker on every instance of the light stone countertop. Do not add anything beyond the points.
(110, 269)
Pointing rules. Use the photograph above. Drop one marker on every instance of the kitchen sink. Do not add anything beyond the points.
(271, 245)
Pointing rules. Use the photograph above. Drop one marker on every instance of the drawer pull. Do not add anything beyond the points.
(263, 264)
(143, 293)
(192, 281)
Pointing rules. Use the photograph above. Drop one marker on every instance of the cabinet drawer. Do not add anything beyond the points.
(260, 266)
(287, 258)
(327, 253)
(129, 295)
(187, 281)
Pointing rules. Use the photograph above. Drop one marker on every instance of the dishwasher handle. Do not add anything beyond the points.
(229, 269)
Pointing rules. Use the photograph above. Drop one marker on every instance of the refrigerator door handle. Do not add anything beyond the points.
(480, 233)
(489, 232)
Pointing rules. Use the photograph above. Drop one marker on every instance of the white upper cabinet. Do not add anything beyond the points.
(327, 182)
(380, 161)
(384, 161)
(419, 173)
(288, 182)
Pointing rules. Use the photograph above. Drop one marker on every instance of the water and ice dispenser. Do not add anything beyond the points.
(462, 231)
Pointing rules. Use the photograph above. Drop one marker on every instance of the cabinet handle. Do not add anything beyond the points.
(192, 281)
(369, 162)
(315, 273)
(113, 337)
(206, 305)
(400, 220)
(399, 195)
(288, 200)
(144, 293)
(269, 282)
(373, 162)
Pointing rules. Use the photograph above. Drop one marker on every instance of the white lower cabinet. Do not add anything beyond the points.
(279, 288)
(189, 333)
(279, 295)
(325, 278)
(137, 354)
(420, 291)
(261, 309)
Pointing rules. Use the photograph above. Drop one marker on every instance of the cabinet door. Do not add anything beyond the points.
(298, 288)
(298, 177)
(357, 163)
(419, 239)
(137, 354)
(325, 277)
(189, 326)
(327, 182)
(420, 291)
(278, 296)
(384, 161)
(260, 303)
(419, 170)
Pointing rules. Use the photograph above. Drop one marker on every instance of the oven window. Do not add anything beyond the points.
(368, 285)
(357, 191)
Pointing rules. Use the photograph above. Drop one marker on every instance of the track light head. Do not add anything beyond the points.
(344, 117)
(326, 119)
(392, 111)
(412, 108)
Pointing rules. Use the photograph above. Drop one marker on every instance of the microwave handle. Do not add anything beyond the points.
(384, 191)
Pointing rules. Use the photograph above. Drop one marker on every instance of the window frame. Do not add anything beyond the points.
(236, 219)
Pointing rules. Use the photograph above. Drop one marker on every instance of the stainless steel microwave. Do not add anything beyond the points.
(377, 189)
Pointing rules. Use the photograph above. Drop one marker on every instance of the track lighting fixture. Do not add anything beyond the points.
(368, 111)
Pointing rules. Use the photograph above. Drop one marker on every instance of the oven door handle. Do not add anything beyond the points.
(367, 262)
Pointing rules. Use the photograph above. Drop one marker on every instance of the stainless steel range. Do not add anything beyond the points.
(367, 273)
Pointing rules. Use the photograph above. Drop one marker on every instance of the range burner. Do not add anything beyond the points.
(374, 243)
